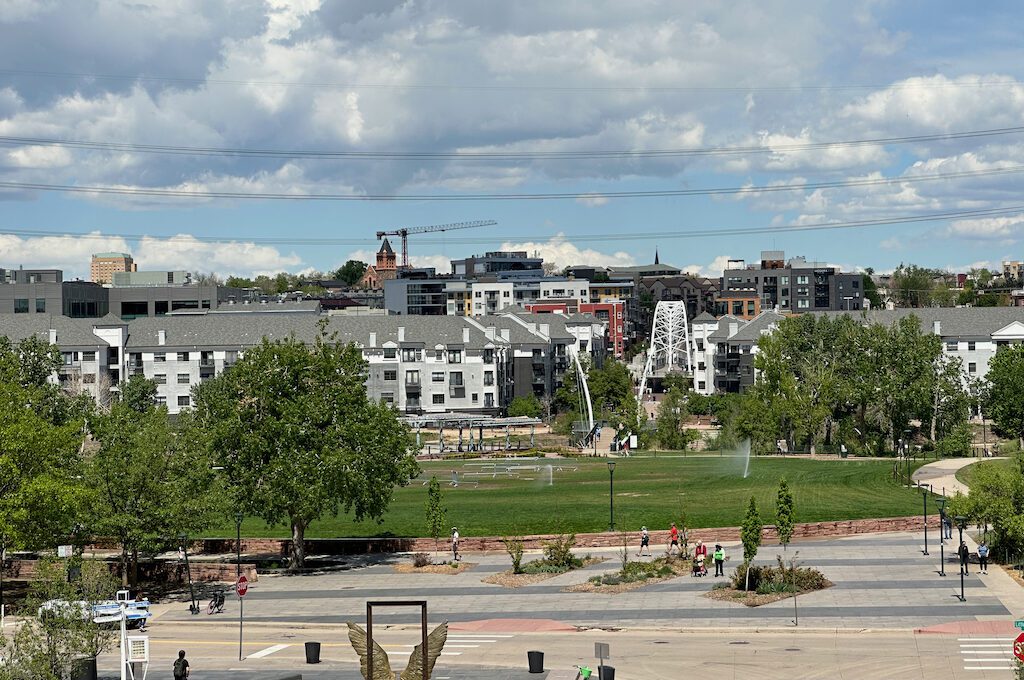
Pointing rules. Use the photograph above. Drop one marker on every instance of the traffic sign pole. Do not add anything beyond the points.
(241, 588)
(1018, 647)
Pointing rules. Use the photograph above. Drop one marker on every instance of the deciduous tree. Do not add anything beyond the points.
(1006, 394)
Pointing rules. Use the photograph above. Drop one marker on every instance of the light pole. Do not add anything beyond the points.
(924, 495)
(192, 607)
(611, 495)
(961, 524)
(942, 539)
(238, 575)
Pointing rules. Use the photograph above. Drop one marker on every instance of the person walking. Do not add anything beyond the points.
(181, 669)
(719, 556)
(983, 558)
(673, 535)
(965, 556)
(455, 544)
(645, 542)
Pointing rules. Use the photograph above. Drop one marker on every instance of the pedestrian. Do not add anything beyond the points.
(673, 535)
(455, 544)
(645, 542)
(983, 558)
(965, 556)
(719, 556)
(181, 670)
(700, 550)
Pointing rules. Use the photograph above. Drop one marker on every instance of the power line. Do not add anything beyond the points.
(623, 234)
(497, 155)
(657, 193)
(527, 87)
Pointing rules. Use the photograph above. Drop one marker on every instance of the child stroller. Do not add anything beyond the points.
(698, 566)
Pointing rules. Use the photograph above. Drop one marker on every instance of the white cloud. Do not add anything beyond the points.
(592, 200)
(562, 253)
(1010, 226)
(69, 253)
(712, 269)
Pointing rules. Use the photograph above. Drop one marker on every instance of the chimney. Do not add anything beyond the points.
(53, 336)
(401, 333)
(733, 328)
(937, 327)
(533, 327)
(465, 336)
(545, 329)
(373, 339)
(489, 332)
(506, 334)
(161, 337)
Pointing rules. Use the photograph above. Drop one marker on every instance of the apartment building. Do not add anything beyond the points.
(498, 263)
(44, 291)
(418, 364)
(104, 265)
(795, 286)
(612, 314)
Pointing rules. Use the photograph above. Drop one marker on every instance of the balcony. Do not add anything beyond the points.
(457, 391)
(135, 369)
(206, 363)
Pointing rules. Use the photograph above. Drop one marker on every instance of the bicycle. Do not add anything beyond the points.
(216, 605)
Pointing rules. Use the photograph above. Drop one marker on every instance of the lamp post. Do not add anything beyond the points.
(611, 495)
(192, 607)
(942, 539)
(961, 524)
(238, 575)
(924, 495)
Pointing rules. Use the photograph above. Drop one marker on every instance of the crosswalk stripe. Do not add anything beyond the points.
(268, 651)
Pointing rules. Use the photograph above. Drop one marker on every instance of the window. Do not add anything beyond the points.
(89, 378)
(40, 305)
(855, 284)
(970, 346)
(700, 366)
(390, 376)
(390, 353)
(161, 400)
(88, 356)
(455, 356)
(438, 355)
(455, 379)
(488, 401)
(972, 367)
(476, 398)
(488, 356)
(437, 376)
(387, 397)
(801, 279)
(159, 357)
(182, 356)
(488, 378)
(803, 304)
(68, 357)
(951, 345)
(412, 377)
(701, 385)
(437, 399)
(183, 379)
(410, 354)
(21, 306)
(184, 400)
(504, 294)
(160, 378)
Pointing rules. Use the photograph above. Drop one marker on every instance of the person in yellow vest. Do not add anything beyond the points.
(719, 557)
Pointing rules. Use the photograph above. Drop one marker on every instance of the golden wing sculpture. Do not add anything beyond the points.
(381, 664)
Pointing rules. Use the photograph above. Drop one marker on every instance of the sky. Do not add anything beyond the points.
(864, 133)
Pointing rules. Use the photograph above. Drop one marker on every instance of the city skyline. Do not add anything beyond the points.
(716, 108)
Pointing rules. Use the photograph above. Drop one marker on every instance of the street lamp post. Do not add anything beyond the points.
(924, 495)
(961, 524)
(611, 495)
(192, 607)
(942, 538)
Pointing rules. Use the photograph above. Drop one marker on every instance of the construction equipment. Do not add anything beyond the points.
(404, 233)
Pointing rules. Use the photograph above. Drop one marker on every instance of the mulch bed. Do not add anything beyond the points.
(507, 579)
(679, 568)
(752, 599)
(444, 568)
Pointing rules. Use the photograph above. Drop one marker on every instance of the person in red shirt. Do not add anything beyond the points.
(673, 534)
(700, 554)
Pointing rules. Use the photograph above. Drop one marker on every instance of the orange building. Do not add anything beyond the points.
(104, 265)
(385, 269)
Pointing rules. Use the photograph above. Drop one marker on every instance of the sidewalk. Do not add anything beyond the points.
(941, 475)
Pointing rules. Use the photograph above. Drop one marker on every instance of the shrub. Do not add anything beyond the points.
(453, 565)
(421, 559)
(514, 547)
(559, 553)
(543, 567)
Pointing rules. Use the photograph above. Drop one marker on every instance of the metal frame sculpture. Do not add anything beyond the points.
(671, 346)
(373, 660)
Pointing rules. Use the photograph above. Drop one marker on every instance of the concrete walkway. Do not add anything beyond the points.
(941, 475)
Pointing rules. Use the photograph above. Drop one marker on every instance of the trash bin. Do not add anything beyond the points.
(536, 660)
(606, 672)
(312, 652)
(83, 669)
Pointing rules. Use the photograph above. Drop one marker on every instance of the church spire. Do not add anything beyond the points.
(656, 261)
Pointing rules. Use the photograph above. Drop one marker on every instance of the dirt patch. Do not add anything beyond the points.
(751, 599)
(1013, 573)
(509, 580)
(435, 568)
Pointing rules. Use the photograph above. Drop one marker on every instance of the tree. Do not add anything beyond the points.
(528, 406)
(139, 393)
(350, 272)
(784, 513)
(436, 512)
(149, 485)
(1006, 394)
(750, 536)
(298, 438)
(46, 647)
(996, 498)
(669, 424)
(871, 291)
(912, 286)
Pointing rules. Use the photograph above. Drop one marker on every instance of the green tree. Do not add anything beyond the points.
(436, 512)
(871, 291)
(528, 406)
(149, 484)
(996, 498)
(46, 647)
(670, 430)
(139, 393)
(1006, 391)
(784, 514)
(350, 272)
(913, 286)
(750, 531)
(292, 425)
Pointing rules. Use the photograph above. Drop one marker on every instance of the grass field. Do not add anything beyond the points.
(966, 474)
(648, 491)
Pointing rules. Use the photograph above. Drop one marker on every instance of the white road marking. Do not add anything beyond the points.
(999, 639)
(268, 651)
(477, 635)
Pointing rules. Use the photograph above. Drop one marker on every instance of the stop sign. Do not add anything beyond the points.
(1018, 647)
(242, 587)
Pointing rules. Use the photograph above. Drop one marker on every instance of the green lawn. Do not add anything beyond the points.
(648, 491)
(966, 474)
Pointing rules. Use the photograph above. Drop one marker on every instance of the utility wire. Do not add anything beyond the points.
(497, 155)
(524, 87)
(623, 234)
(717, 191)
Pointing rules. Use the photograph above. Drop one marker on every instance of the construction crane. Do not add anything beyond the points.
(404, 233)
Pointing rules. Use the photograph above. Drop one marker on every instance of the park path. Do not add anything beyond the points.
(941, 475)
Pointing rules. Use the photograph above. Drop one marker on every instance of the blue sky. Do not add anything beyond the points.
(524, 78)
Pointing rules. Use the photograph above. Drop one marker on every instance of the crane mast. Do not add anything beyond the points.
(405, 231)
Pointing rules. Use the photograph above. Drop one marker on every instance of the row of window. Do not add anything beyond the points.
(436, 399)
(161, 378)
(454, 356)
(21, 305)
(183, 400)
